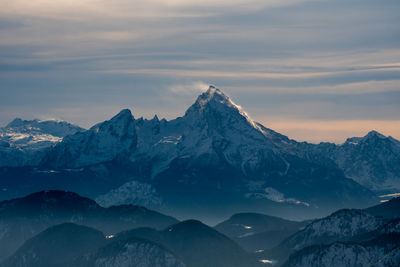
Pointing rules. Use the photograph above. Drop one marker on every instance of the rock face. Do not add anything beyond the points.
(372, 160)
(103, 142)
(24, 142)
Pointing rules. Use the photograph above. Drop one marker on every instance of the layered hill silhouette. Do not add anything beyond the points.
(22, 218)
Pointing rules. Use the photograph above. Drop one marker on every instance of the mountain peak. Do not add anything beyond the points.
(215, 114)
(213, 93)
(123, 117)
(374, 133)
(15, 123)
(214, 99)
(212, 90)
(125, 113)
(370, 135)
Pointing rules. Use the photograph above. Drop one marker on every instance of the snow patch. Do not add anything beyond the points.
(276, 196)
(131, 193)
(391, 195)
(268, 261)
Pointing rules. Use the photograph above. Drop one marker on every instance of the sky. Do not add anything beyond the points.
(313, 70)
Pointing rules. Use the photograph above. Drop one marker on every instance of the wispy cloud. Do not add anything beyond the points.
(335, 59)
(277, 79)
(189, 88)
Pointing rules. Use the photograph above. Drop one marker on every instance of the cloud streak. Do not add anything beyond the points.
(299, 57)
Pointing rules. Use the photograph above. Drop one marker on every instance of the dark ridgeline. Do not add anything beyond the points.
(349, 236)
(389, 209)
(189, 243)
(56, 246)
(23, 218)
(196, 244)
(254, 231)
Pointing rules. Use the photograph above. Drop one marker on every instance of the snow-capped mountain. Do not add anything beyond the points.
(51, 127)
(215, 153)
(340, 226)
(103, 142)
(213, 124)
(214, 128)
(376, 247)
(373, 160)
(24, 142)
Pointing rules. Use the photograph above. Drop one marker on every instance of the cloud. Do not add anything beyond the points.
(83, 10)
(278, 79)
(189, 88)
(356, 88)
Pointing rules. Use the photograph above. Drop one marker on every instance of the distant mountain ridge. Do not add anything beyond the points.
(22, 218)
(25, 142)
(71, 245)
(258, 232)
(215, 153)
(347, 237)
(372, 160)
(377, 246)
(196, 244)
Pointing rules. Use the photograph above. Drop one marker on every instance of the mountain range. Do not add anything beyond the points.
(24, 142)
(65, 229)
(57, 228)
(23, 218)
(212, 162)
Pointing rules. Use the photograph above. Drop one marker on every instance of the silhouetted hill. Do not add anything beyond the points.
(22, 218)
(56, 246)
(196, 244)
(255, 231)
(389, 209)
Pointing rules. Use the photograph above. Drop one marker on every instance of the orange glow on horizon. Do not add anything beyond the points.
(336, 131)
